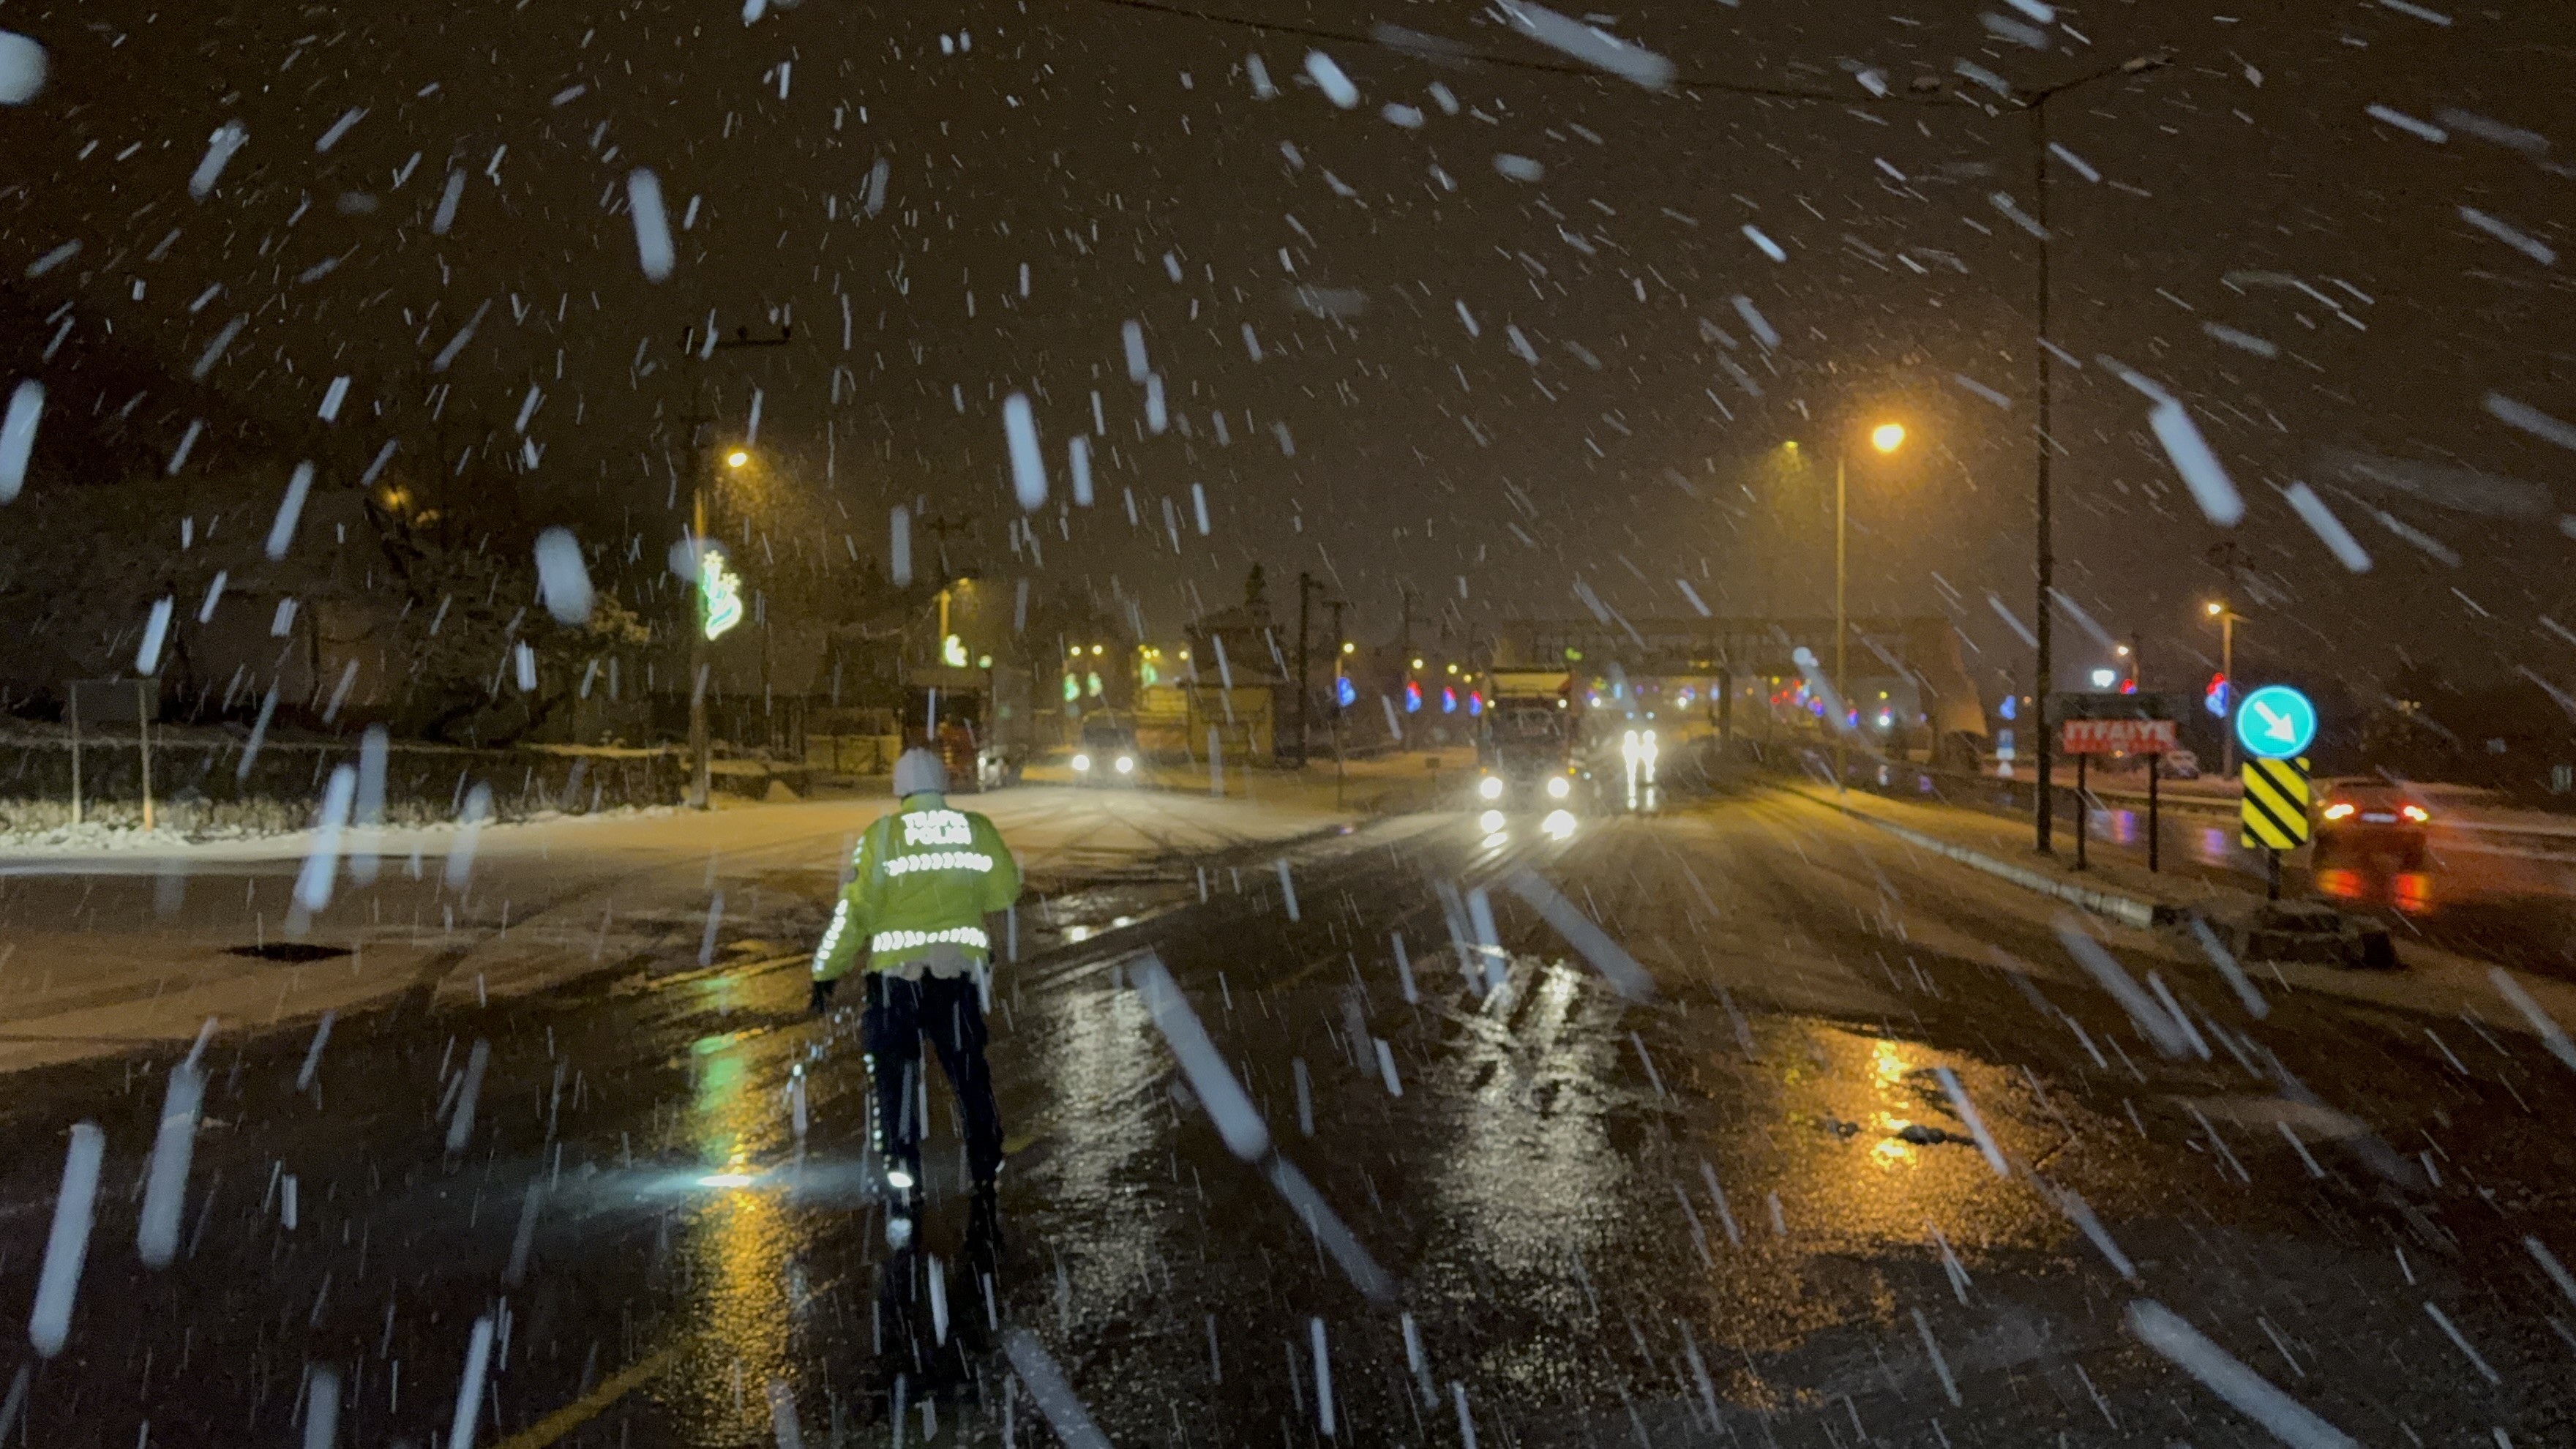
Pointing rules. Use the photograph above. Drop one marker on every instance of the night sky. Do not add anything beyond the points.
(1494, 387)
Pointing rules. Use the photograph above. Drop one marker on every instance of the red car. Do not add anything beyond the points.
(2358, 820)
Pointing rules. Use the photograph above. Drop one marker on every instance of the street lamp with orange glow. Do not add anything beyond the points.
(1886, 438)
(2227, 619)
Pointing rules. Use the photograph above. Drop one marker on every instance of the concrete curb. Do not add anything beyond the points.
(2128, 910)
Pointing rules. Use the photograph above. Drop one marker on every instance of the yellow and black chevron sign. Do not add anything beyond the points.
(2275, 811)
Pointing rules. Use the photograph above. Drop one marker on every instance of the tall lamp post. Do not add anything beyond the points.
(717, 608)
(2036, 103)
(2227, 619)
(1886, 438)
(699, 348)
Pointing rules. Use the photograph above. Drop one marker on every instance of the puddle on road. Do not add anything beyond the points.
(1839, 1153)
(1868, 1147)
(1851, 1155)
(1079, 915)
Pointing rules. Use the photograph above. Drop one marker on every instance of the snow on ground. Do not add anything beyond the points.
(107, 943)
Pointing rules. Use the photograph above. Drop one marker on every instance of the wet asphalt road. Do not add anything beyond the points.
(1748, 1211)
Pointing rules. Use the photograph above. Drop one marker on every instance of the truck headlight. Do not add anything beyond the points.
(1558, 787)
(1082, 764)
(1126, 764)
(1491, 787)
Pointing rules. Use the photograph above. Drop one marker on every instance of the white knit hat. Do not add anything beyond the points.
(920, 772)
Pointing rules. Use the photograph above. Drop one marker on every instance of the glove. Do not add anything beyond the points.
(818, 1000)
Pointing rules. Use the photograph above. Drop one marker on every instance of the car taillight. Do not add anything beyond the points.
(2338, 810)
(2417, 814)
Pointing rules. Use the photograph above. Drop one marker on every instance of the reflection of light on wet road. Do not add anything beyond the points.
(1075, 935)
(2120, 827)
(2410, 891)
(1849, 1184)
(1559, 825)
(1490, 821)
(1887, 1069)
(740, 1244)
(1528, 1171)
(1104, 1074)
(716, 1121)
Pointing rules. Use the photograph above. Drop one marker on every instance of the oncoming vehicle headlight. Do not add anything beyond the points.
(1126, 764)
(1491, 787)
(1558, 787)
(1081, 764)
(1490, 821)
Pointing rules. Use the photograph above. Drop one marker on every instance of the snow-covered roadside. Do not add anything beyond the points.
(122, 848)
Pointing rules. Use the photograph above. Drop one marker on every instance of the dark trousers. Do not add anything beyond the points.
(950, 1013)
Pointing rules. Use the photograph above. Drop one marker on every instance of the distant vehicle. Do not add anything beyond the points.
(2362, 820)
(1106, 754)
(1525, 741)
(984, 732)
(2179, 765)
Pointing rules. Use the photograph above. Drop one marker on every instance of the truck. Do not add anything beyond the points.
(1526, 740)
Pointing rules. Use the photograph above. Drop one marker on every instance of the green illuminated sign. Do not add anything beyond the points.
(719, 595)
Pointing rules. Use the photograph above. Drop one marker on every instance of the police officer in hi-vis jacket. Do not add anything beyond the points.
(923, 882)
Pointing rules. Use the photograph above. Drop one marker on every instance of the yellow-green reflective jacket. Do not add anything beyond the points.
(921, 883)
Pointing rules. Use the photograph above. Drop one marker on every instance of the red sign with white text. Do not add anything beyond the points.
(2119, 736)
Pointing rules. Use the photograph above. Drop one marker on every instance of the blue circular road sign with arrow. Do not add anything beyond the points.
(2276, 722)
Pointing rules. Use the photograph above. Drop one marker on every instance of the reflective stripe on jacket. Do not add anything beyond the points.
(921, 883)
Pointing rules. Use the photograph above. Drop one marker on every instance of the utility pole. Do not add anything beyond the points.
(1404, 648)
(2226, 559)
(2036, 102)
(1842, 634)
(2041, 743)
(2228, 619)
(940, 527)
(1307, 588)
(699, 349)
(1341, 656)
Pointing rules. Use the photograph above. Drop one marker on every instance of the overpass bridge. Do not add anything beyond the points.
(1724, 659)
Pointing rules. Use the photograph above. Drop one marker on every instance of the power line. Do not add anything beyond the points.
(1437, 49)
